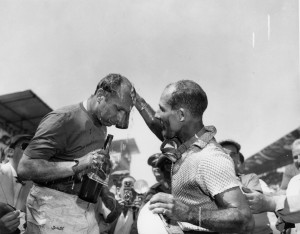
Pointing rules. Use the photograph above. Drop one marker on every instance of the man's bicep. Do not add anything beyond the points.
(231, 198)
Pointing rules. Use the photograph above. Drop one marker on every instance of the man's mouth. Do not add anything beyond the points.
(110, 122)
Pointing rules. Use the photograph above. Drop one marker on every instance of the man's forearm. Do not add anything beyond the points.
(148, 113)
(40, 170)
(224, 220)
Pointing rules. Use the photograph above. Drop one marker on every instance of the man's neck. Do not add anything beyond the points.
(189, 131)
(89, 106)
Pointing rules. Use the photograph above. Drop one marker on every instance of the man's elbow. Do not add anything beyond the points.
(24, 170)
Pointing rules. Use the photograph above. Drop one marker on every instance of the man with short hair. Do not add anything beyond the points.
(67, 143)
(13, 191)
(250, 181)
(205, 192)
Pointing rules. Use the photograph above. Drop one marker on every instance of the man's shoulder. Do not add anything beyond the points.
(212, 151)
(61, 115)
(67, 109)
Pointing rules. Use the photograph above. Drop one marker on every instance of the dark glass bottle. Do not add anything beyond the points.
(92, 182)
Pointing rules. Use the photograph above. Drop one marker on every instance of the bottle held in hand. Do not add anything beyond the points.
(93, 181)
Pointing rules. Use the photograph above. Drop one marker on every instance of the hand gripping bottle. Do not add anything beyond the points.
(93, 181)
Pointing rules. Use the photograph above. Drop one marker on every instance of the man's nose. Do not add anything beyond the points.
(123, 120)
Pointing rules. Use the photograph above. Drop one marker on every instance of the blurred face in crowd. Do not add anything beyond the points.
(126, 183)
(296, 155)
(158, 174)
(234, 154)
(163, 172)
(17, 152)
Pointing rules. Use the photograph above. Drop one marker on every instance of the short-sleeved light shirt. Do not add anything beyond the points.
(203, 171)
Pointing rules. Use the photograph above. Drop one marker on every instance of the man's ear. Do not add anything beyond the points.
(100, 95)
(181, 113)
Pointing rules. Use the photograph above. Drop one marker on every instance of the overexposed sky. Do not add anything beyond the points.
(245, 55)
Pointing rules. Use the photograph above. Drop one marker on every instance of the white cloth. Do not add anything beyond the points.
(51, 212)
(124, 223)
(13, 193)
(288, 206)
(10, 189)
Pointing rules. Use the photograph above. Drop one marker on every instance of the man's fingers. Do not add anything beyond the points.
(11, 220)
(11, 216)
(160, 211)
(160, 205)
(161, 197)
(12, 224)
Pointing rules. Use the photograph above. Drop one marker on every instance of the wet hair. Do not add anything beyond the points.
(111, 83)
(190, 95)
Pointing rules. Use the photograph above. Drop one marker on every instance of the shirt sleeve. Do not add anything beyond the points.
(50, 137)
(217, 173)
(251, 181)
(288, 207)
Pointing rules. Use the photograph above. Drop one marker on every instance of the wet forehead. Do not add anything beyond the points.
(124, 97)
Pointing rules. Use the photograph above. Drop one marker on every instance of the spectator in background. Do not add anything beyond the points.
(123, 224)
(250, 181)
(162, 171)
(292, 169)
(13, 191)
(287, 206)
(4, 142)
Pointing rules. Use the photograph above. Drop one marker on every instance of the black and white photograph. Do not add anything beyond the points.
(149, 117)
